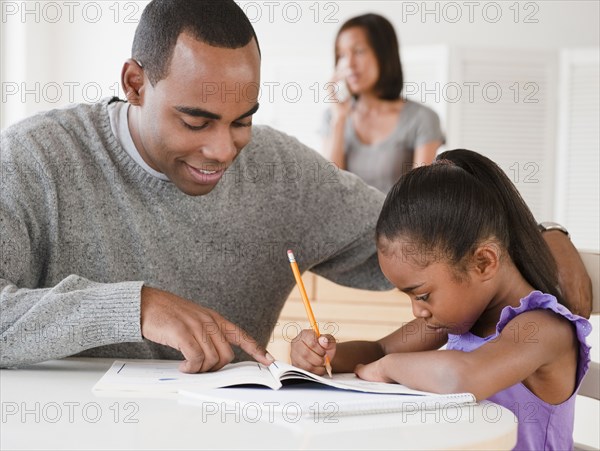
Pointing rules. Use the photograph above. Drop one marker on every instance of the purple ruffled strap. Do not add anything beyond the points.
(538, 300)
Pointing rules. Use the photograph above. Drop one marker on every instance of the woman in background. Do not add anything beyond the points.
(375, 133)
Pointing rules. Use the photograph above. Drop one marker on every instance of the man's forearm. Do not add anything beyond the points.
(74, 315)
(575, 283)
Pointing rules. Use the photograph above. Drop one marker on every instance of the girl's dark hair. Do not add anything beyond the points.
(447, 209)
(382, 39)
(220, 23)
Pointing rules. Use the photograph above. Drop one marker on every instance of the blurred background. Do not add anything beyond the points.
(515, 80)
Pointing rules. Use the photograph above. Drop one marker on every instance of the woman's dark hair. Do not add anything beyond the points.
(447, 209)
(382, 39)
(220, 23)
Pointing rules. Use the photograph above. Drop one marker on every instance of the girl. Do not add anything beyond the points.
(457, 237)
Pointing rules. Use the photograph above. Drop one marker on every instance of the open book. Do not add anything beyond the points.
(164, 376)
(279, 387)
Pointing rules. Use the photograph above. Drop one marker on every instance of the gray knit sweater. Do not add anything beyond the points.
(83, 227)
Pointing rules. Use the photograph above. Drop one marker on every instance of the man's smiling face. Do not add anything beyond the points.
(194, 122)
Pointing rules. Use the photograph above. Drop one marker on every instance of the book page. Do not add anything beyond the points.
(164, 376)
(345, 381)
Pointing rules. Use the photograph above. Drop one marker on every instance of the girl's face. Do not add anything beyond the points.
(446, 303)
(357, 62)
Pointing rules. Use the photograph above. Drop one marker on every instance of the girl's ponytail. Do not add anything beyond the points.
(446, 209)
(526, 246)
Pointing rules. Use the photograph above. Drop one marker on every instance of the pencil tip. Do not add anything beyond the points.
(328, 368)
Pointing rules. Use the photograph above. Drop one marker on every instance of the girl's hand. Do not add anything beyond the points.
(308, 352)
(374, 372)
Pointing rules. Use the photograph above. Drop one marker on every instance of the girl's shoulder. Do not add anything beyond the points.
(543, 309)
(541, 320)
(540, 326)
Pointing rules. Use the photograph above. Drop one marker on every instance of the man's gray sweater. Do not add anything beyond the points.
(83, 227)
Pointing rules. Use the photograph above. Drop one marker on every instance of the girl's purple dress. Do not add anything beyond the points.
(542, 426)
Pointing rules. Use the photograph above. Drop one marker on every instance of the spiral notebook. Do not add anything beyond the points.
(315, 400)
(256, 383)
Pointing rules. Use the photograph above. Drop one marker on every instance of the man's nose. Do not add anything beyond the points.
(221, 146)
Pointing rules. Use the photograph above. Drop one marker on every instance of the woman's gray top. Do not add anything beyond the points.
(381, 164)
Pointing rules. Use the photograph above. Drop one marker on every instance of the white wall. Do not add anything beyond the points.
(80, 45)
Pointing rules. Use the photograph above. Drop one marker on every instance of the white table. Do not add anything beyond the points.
(51, 406)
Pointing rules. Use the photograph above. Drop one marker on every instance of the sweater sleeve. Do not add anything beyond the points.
(348, 213)
(338, 216)
(39, 322)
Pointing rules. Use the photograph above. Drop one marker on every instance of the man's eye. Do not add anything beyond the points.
(194, 127)
(242, 124)
(422, 297)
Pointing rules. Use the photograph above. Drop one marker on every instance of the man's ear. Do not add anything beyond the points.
(132, 81)
(486, 260)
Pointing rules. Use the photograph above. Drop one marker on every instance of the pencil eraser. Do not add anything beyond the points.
(291, 255)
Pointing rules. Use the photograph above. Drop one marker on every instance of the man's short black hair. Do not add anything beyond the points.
(220, 23)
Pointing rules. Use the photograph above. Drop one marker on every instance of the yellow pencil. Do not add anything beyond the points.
(309, 312)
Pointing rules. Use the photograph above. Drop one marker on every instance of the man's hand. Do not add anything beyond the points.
(574, 281)
(202, 335)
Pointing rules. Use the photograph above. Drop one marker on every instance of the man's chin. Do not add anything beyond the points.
(194, 189)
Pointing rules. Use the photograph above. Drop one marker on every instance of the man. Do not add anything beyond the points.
(140, 229)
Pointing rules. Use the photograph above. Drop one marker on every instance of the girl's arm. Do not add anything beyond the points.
(533, 342)
(412, 337)
(309, 353)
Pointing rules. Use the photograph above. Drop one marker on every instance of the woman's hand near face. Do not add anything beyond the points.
(334, 144)
(340, 94)
(340, 110)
